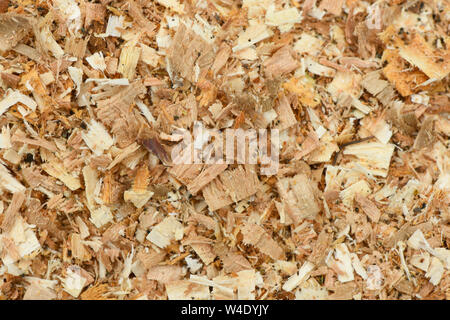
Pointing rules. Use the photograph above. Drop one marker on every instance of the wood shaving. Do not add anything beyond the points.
(101, 199)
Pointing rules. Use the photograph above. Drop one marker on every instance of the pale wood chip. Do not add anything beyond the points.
(222, 56)
(298, 198)
(149, 260)
(368, 207)
(281, 62)
(321, 248)
(13, 28)
(285, 114)
(189, 54)
(186, 290)
(231, 186)
(258, 237)
(165, 274)
(94, 12)
(206, 176)
(12, 212)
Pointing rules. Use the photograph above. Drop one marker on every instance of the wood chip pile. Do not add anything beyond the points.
(92, 95)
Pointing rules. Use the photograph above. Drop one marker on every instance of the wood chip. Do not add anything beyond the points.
(118, 181)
